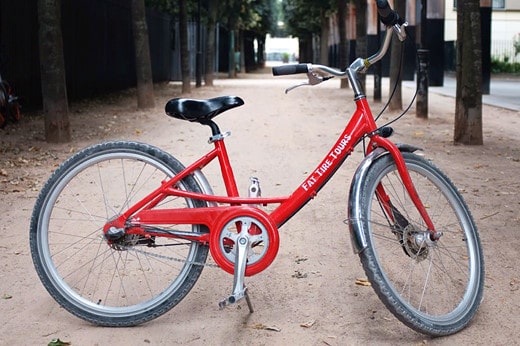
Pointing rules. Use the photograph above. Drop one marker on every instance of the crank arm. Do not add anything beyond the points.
(239, 290)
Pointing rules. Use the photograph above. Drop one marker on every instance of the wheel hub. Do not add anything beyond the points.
(416, 243)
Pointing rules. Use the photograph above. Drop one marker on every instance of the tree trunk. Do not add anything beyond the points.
(143, 64)
(232, 71)
(185, 54)
(396, 62)
(210, 42)
(324, 39)
(361, 34)
(242, 61)
(260, 60)
(343, 41)
(305, 49)
(52, 69)
(468, 106)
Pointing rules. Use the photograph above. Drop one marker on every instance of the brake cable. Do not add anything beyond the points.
(395, 88)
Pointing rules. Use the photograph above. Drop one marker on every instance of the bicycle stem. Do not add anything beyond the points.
(360, 65)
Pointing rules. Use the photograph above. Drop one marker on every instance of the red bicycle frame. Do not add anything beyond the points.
(360, 125)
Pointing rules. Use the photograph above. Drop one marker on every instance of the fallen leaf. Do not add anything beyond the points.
(299, 275)
(300, 259)
(58, 342)
(6, 296)
(261, 326)
(273, 328)
(363, 282)
(308, 324)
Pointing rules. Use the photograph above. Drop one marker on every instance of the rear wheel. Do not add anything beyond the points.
(434, 287)
(129, 283)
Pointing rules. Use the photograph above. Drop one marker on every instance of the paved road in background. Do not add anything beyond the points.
(504, 92)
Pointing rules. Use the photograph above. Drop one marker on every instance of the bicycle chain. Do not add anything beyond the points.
(211, 265)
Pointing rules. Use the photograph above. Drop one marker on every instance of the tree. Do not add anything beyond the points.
(361, 33)
(143, 64)
(396, 62)
(324, 37)
(185, 57)
(52, 69)
(231, 11)
(343, 41)
(210, 42)
(304, 19)
(468, 104)
(257, 17)
(246, 20)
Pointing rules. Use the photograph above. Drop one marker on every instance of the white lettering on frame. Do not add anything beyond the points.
(324, 167)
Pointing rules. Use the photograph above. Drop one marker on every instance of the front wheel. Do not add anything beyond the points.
(434, 287)
(140, 278)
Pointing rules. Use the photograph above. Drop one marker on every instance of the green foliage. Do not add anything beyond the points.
(504, 66)
(303, 17)
(166, 6)
(516, 43)
(255, 15)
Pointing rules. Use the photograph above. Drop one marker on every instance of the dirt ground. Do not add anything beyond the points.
(308, 296)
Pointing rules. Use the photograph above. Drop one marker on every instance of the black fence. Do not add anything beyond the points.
(97, 42)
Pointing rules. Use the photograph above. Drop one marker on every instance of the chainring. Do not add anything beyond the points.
(260, 231)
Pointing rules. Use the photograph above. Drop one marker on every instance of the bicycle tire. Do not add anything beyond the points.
(92, 280)
(435, 290)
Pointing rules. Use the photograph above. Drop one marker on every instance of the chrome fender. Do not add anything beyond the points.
(355, 222)
(204, 184)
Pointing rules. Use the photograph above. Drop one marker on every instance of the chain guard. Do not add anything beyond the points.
(262, 234)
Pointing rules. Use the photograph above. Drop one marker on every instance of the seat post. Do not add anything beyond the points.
(215, 131)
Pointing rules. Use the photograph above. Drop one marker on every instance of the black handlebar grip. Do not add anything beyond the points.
(290, 69)
(388, 16)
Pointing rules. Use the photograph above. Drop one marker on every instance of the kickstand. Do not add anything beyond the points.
(249, 304)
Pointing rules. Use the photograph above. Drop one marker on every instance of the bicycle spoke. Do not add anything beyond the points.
(127, 279)
(432, 280)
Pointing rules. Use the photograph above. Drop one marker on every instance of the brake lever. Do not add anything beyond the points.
(313, 79)
(399, 29)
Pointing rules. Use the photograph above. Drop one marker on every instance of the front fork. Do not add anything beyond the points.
(407, 181)
(382, 147)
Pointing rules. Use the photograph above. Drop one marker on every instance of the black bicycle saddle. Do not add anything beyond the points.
(201, 111)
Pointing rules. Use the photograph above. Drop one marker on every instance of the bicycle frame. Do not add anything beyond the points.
(361, 125)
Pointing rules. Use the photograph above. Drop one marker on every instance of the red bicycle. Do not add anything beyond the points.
(121, 231)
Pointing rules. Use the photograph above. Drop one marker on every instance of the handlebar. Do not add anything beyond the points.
(290, 69)
(388, 16)
(320, 73)
(306, 68)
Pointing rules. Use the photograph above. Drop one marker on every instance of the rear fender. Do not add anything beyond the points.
(204, 184)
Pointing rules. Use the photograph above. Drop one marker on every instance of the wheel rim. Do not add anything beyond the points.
(440, 284)
(126, 283)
